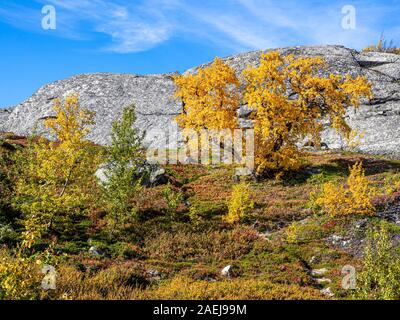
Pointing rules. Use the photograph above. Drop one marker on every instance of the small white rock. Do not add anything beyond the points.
(323, 280)
(226, 272)
(319, 272)
(327, 292)
(154, 274)
(94, 251)
(265, 236)
(313, 259)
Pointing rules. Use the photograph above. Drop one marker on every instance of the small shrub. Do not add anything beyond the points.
(354, 198)
(203, 246)
(124, 156)
(195, 215)
(6, 188)
(8, 234)
(392, 183)
(19, 277)
(380, 278)
(202, 211)
(292, 233)
(173, 200)
(239, 203)
(118, 282)
(126, 251)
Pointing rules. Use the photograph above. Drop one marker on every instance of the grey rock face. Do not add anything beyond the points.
(153, 96)
(4, 115)
(107, 95)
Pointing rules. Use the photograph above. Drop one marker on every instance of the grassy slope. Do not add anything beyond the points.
(175, 258)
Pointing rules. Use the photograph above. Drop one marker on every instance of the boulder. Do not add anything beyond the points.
(151, 174)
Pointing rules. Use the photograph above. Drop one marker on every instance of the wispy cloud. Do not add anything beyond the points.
(133, 26)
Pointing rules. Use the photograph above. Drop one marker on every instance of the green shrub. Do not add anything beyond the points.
(125, 251)
(173, 199)
(380, 278)
(124, 158)
(8, 234)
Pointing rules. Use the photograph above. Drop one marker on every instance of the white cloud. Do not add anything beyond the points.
(313, 23)
(130, 27)
(243, 35)
(138, 25)
(130, 36)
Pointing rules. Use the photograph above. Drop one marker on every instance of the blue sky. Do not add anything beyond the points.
(157, 36)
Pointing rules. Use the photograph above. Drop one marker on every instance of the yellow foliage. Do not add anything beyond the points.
(288, 94)
(371, 48)
(354, 139)
(115, 284)
(354, 198)
(239, 203)
(375, 48)
(382, 46)
(210, 98)
(19, 277)
(53, 177)
(282, 120)
(70, 124)
(292, 233)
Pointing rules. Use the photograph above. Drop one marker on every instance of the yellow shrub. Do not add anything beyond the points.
(210, 97)
(19, 277)
(292, 233)
(54, 178)
(354, 139)
(118, 282)
(239, 203)
(354, 198)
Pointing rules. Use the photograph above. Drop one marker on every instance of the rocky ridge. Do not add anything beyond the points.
(153, 95)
